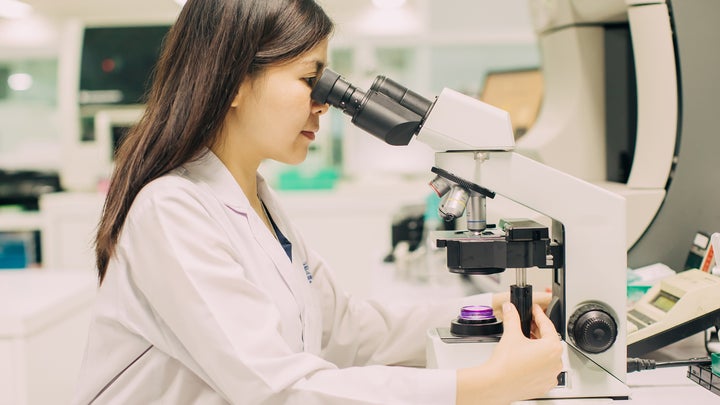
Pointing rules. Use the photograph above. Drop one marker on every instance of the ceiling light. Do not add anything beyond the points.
(14, 9)
(20, 81)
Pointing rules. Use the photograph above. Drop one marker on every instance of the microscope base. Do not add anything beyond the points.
(580, 378)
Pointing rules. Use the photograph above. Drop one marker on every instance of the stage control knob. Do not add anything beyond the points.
(592, 329)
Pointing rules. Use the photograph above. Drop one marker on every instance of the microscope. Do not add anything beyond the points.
(583, 251)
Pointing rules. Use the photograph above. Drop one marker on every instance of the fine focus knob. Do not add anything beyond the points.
(592, 329)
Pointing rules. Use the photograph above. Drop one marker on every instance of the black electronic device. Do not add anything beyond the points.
(117, 63)
(24, 187)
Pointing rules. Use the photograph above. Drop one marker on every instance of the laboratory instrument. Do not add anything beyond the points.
(709, 262)
(629, 104)
(675, 308)
(698, 251)
(707, 376)
(584, 249)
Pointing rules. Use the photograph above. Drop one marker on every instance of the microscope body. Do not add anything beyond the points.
(588, 286)
(584, 254)
(588, 233)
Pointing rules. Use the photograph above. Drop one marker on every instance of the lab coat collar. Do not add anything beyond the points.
(209, 169)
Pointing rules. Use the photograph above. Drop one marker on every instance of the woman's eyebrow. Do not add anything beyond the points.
(318, 64)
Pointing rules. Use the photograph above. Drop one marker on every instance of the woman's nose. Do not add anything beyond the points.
(319, 109)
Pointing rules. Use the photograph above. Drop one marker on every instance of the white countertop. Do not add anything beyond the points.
(31, 299)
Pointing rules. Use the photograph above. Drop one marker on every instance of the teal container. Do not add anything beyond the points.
(13, 254)
(323, 179)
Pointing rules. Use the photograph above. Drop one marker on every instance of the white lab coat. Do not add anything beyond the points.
(201, 305)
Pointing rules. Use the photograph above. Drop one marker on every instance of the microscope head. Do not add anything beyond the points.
(451, 122)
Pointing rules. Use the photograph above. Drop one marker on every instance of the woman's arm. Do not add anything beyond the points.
(364, 331)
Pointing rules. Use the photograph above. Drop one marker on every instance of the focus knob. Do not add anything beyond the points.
(592, 329)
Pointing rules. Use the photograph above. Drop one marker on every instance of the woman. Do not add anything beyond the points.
(208, 295)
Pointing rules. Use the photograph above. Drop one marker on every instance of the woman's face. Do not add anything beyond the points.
(272, 116)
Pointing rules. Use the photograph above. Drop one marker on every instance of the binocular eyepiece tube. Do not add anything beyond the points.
(401, 94)
(388, 110)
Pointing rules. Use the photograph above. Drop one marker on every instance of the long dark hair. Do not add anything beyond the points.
(213, 46)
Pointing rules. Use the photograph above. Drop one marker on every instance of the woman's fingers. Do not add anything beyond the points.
(511, 319)
(545, 327)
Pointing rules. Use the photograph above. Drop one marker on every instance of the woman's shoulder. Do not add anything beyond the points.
(169, 185)
(170, 191)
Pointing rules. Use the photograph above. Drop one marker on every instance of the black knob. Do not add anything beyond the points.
(592, 329)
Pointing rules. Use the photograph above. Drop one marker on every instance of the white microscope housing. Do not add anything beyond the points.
(474, 143)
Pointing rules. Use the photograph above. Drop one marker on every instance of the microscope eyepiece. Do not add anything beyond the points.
(388, 111)
(333, 89)
(324, 86)
(407, 98)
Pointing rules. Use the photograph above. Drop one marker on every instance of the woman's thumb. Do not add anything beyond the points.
(511, 319)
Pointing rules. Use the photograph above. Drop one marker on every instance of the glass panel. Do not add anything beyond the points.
(463, 67)
(28, 114)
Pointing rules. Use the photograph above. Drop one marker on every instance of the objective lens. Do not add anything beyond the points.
(476, 216)
(440, 185)
(453, 206)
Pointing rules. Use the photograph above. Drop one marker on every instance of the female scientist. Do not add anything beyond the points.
(208, 294)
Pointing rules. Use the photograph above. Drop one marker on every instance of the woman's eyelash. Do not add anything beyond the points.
(310, 81)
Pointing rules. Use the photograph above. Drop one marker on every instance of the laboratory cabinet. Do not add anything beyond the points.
(68, 225)
(44, 319)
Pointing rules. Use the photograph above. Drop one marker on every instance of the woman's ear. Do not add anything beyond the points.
(242, 89)
(236, 100)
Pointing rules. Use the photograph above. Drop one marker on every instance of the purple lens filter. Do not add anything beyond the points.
(476, 320)
(476, 313)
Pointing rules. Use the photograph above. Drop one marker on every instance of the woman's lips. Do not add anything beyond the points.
(309, 134)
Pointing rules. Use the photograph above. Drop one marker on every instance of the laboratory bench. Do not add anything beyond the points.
(44, 315)
(44, 318)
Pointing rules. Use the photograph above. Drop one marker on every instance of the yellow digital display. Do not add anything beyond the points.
(664, 302)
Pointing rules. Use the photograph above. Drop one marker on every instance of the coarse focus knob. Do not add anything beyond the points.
(592, 329)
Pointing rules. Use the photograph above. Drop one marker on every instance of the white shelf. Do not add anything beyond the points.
(20, 221)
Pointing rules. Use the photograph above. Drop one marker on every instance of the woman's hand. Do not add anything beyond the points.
(519, 368)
